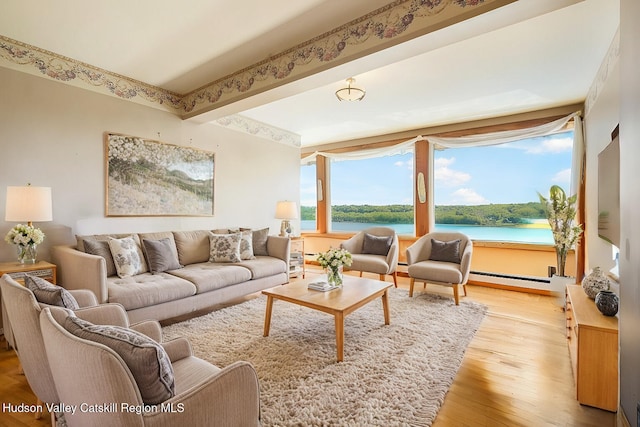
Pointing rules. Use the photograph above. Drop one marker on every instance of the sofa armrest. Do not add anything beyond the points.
(278, 247)
(150, 328)
(78, 270)
(84, 297)
(230, 397)
(104, 314)
(465, 261)
(177, 348)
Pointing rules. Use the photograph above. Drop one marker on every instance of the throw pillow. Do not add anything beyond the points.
(445, 251)
(259, 239)
(48, 293)
(376, 245)
(147, 360)
(126, 257)
(224, 247)
(160, 255)
(101, 248)
(246, 245)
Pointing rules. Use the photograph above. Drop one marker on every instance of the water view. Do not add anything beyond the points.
(533, 233)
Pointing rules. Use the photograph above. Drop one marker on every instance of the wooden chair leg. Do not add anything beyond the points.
(464, 288)
(361, 274)
(39, 404)
(53, 419)
(383, 277)
(411, 283)
(456, 297)
(395, 279)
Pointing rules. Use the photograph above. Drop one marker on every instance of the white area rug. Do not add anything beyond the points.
(392, 375)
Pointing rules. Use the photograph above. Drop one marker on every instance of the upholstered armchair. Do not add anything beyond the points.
(22, 311)
(374, 250)
(91, 370)
(440, 258)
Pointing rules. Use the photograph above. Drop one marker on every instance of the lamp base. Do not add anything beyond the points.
(285, 228)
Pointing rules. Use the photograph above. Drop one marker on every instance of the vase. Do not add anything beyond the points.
(334, 276)
(595, 282)
(607, 302)
(27, 253)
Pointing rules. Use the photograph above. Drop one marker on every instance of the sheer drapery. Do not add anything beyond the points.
(400, 148)
(577, 159)
(496, 138)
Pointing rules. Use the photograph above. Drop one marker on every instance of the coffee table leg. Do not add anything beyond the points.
(267, 316)
(340, 336)
(385, 308)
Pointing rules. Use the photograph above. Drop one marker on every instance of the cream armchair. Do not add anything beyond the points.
(23, 313)
(440, 258)
(374, 250)
(90, 373)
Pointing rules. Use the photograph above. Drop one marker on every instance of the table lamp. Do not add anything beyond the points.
(286, 210)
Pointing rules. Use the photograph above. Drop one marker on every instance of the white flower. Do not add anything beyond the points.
(334, 258)
(24, 235)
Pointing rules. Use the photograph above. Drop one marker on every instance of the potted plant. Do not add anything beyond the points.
(561, 213)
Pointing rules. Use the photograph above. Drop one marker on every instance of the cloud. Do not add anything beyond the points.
(404, 164)
(467, 196)
(552, 145)
(447, 176)
(564, 176)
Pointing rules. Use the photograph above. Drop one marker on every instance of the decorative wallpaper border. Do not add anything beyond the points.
(393, 24)
(244, 124)
(610, 60)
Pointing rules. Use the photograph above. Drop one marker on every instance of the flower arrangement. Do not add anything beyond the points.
(26, 238)
(24, 235)
(561, 213)
(332, 261)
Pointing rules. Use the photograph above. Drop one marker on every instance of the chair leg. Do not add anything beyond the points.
(395, 279)
(383, 278)
(361, 274)
(53, 419)
(456, 297)
(411, 283)
(464, 288)
(39, 404)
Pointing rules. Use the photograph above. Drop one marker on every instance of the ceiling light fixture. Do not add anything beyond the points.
(350, 93)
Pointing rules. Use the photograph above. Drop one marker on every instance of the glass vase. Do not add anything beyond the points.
(27, 253)
(334, 276)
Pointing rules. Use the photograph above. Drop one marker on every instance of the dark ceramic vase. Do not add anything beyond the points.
(607, 303)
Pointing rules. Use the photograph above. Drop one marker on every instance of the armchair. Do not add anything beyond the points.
(374, 250)
(442, 259)
(23, 314)
(90, 373)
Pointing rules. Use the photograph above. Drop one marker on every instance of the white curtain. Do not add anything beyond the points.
(577, 165)
(400, 148)
(496, 138)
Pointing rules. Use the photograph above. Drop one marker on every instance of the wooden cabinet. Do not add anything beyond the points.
(593, 345)
(43, 269)
(296, 257)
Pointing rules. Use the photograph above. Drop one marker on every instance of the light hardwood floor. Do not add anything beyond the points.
(516, 371)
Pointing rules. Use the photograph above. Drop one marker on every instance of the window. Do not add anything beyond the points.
(372, 192)
(491, 192)
(308, 197)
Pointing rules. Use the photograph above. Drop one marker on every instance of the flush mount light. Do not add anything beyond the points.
(350, 93)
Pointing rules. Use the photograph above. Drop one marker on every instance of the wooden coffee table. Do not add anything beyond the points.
(355, 293)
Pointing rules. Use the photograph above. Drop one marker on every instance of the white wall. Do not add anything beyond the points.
(51, 134)
(630, 207)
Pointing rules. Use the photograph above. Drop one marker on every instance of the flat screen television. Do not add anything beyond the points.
(609, 191)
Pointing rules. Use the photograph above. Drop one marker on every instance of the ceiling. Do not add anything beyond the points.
(525, 56)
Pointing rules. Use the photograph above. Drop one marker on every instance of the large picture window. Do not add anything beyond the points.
(372, 192)
(491, 192)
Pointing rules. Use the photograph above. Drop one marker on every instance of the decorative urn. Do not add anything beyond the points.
(595, 282)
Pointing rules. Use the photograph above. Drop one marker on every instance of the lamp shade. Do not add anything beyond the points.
(286, 210)
(28, 204)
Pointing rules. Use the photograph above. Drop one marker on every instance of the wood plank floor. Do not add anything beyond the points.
(516, 371)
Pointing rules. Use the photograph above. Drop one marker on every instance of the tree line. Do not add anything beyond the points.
(482, 215)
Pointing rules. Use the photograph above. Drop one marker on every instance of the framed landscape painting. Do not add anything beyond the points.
(152, 178)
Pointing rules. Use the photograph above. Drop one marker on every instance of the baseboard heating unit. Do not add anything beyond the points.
(512, 280)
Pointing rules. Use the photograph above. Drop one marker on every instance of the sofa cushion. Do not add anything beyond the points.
(445, 251)
(437, 271)
(48, 293)
(208, 276)
(161, 255)
(259, 238)
(101, 248)
(126, 256)
(376, 245)
(246, 245)
(224, 247)
(148, 289)
(263, 266)
(193, 246)
(146, 359)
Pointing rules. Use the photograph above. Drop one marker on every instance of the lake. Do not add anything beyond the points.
(498, 234)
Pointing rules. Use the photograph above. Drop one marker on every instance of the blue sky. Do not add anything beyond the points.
(507, 173)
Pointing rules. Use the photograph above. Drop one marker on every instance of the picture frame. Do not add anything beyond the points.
(144, 177)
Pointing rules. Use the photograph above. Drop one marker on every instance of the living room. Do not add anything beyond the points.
(52, 135)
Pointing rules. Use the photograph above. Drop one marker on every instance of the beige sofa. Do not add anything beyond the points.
(196, 285)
